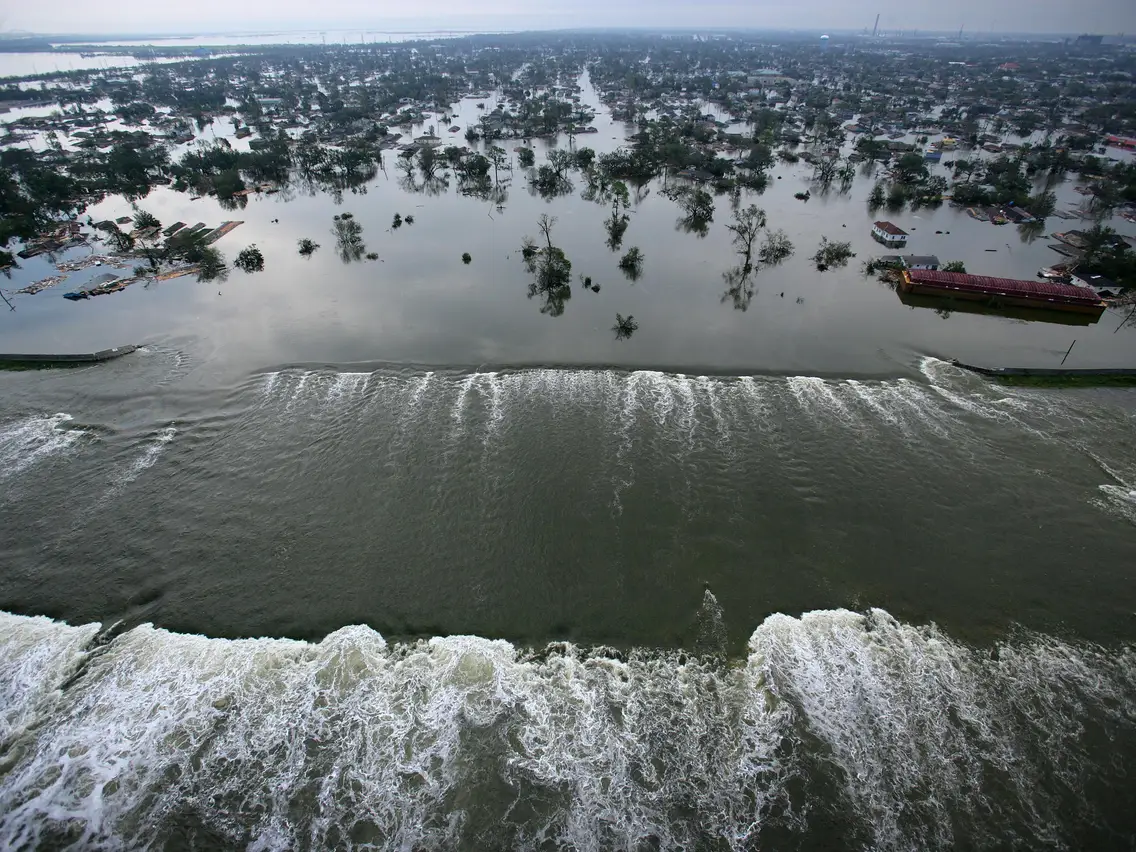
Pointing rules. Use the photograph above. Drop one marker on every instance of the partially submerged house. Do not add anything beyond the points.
(889, 234)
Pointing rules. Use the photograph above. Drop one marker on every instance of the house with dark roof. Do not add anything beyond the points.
(889, 234)
(1098, 283)
(920, 261)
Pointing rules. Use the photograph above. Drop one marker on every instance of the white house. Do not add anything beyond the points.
(890, 235)
(921, 261)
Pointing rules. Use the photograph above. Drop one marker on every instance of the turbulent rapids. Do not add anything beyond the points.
(594, 504)
(837, 727)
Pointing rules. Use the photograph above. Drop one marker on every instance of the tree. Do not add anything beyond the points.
(624, 327)
(249, 259)
(585, 157)
(467, 258)
(825, 170)
(697, 206)
(123, 242)
(427, 161)
(1098, 240)
(210, 263)
(616, 227)
(632, 263)
(144, 220)
(545, 224)
(832, 254)
(747, 223)
(348, 237)
(560, 161)
(776, 248)
(1042, 205)
(526, 157)
(498, 158)
(877, 196)
(551, 269)
(912, 167)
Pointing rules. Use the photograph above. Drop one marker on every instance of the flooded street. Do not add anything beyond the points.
(378, 554)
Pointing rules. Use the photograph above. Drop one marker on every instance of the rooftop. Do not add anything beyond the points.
(1041, 290)
(889, 228)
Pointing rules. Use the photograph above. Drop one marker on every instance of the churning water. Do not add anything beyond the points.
(589, 506)
(836, 728)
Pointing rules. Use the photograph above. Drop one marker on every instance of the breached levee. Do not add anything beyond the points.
(80, 359)
(838, 730)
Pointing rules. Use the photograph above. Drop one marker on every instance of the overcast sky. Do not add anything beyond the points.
(161, 16)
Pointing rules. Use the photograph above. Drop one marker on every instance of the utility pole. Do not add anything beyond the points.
(876, 28)
(1067, 351)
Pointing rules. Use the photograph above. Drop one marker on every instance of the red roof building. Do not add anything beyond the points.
(889, 234)
(1005, 291)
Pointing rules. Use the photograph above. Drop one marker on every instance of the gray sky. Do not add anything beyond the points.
(153, 16)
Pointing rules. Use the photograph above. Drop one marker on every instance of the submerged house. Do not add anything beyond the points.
(889, 234)
(921, 261)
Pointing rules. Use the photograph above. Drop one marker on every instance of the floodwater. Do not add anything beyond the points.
(806, 584)
(327, 36)
(27, 64)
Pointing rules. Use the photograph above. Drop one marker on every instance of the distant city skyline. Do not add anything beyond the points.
(62, 17)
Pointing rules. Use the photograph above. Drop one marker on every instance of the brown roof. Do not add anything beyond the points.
(889, 228)
(1040, 290)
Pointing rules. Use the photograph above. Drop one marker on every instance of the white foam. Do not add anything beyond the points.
(36, 656)
(917, 722)
(27, 442)
(346, 387)
(712, 390)
(1117, 500)
(457, 413)
(816, 397)
(270, 382)
(278, 744)
(149, 455)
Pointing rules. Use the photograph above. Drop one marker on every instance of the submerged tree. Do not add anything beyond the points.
(210, 263)
(348, 237)
(776, 248)
(526, 157)
(616, 227)
(551, 269)
(428, 161)
(144, 220)
(745, 228)
(249, 259)
(832, 254)
(739, 287)
(624, 327)
(825, 170)
(499, 159)
(632, 263)
(954, 266)
(308, 247)
(697, 207)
